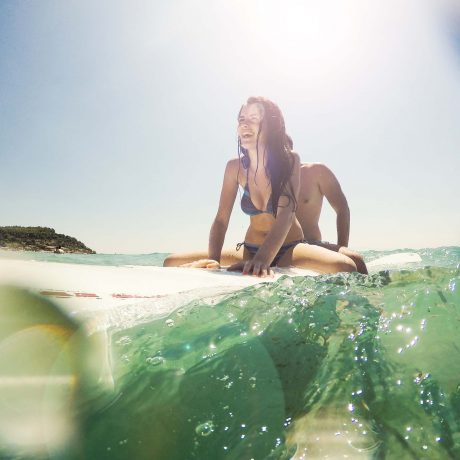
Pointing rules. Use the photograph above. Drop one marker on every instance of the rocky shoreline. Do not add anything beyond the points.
(18, 238)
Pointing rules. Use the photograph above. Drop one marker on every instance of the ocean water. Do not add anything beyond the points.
(155, 259)
(334, 366)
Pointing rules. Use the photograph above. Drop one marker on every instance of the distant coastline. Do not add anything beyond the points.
(18, 238)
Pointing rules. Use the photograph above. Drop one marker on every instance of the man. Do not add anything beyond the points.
(316, 182)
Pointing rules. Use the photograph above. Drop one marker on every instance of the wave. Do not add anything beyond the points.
(304, 367)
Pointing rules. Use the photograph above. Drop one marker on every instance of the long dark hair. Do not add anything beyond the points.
(278, 149)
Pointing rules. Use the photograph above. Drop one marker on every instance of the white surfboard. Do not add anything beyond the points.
(91, 287)
(94, 287)
(401, 260)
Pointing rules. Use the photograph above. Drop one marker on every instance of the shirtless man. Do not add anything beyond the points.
(318, 181)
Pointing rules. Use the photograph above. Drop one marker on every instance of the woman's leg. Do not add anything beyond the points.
(317, 258)
(353, 255)
(228, 257)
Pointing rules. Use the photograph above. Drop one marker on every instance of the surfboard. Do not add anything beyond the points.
(92, 287)
(95, 287)
(392, 261)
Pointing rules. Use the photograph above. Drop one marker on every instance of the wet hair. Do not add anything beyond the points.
(278, 150)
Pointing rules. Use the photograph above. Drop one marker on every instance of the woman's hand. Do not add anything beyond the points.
(252, 266)
(202, 263)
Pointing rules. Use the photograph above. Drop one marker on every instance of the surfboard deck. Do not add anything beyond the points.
(93, 287)
(90, 285)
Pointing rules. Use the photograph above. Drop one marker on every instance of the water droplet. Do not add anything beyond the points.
(169, 322)
(287, 282)
(205, 429)
(125, 340)
(155, 360)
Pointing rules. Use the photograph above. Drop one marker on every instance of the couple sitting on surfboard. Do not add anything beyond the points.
(283, 199)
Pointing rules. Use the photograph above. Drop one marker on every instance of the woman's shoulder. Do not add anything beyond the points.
(233, 170)
(233, 165)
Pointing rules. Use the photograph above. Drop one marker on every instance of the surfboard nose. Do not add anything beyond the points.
(42, 375)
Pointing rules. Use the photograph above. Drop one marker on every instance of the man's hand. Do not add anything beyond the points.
(202, 263)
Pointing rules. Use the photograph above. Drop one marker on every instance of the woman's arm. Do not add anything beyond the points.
(260, 264)
(227, 200)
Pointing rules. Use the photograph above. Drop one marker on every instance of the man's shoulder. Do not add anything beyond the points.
(315, 169)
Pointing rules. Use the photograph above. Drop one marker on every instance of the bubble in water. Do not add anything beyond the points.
(125, 340)
(155, 360)
(263, 293)
(169, 322)
(205, 429)
(287, 282)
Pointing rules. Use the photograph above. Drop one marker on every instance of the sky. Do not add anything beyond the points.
(117, 117)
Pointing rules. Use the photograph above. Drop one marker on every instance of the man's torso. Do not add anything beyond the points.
(310, 201)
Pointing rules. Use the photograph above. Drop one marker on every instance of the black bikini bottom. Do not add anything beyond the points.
(253, 248)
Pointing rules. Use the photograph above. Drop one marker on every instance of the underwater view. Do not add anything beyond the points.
(333, 366)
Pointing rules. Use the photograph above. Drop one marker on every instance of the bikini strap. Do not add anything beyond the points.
(238, 246)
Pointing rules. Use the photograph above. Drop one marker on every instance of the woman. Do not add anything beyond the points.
(268, 172)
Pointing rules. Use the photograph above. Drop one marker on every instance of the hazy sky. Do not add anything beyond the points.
(117, 117)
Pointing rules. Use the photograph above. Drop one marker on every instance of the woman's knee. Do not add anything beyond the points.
(170, 261)
(346, 265)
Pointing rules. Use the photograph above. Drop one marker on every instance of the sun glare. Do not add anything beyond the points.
(318, 39)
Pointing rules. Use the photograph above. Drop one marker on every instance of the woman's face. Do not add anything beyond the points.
(249, 124)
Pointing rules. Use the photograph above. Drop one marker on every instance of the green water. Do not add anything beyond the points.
(335, 366)
(303, 368)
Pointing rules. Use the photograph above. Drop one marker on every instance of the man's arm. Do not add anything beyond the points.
(330, 188)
